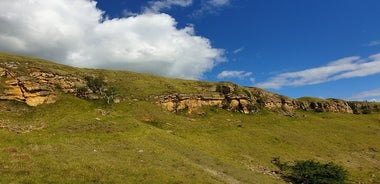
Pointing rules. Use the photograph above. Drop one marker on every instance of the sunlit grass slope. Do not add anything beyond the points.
(135, 141)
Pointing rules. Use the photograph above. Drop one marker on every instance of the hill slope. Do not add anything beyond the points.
(61, 124)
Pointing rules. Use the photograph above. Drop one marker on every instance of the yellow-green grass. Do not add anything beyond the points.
(135, 141)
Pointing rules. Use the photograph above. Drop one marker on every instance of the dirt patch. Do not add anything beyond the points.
(95, 127)
(21, 129)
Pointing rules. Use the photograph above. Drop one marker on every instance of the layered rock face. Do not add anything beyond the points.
(248, 100)
(36, 88)
(219, 96)
(28, 90)
(330, 105)
(33, 86)
(190, 103)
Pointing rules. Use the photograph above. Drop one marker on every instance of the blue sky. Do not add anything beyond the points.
(297, 48)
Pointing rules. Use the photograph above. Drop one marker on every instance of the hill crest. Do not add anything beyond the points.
(36, 82)
(116, 127)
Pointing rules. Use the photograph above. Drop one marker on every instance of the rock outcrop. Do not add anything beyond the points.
(189, 103)
(249, 100)
(27, 90)
(321, 105)
(35, 88)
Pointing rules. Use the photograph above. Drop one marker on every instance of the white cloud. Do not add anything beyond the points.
(238, 50)
(234, 74)
(128, 13)
(218, 3)
(370, 95)
(206, 6)
(158, 6)
(211, 7)
(340, 69)
(374, 43)
(75, 33)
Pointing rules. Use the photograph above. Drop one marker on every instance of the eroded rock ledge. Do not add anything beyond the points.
(36, 88)
(250, 100)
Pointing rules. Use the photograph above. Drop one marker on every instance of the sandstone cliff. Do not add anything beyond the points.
(35, 84)
(32, 85)
(250, 100)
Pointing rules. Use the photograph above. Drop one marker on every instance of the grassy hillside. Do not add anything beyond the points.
(76, 140)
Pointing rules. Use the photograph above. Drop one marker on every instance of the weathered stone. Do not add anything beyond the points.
(116, 100)
(12, 82)
(170, 106)
(39, 100)
(3, 72)
(93, 96)
(258, 98)
(245, 106)
(33, 86)
(27, 89)
(234, 105)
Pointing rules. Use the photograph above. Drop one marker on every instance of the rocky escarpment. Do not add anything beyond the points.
(250, 100)
(34, 86)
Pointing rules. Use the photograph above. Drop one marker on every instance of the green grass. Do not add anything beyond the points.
(310, 99)
(136, 141)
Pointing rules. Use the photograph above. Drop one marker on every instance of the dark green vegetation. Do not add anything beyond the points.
(99, 87)
(78, 140)
(311, 172)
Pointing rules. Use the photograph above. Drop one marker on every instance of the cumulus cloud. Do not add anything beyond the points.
(370, 95)
(340, 69)
(234, 74)
(76, 33)
(158, 6)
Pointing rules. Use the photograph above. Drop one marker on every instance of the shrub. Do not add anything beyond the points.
(82, 92)
(98, 86)
(354, 107)
(311, 172)
(109, 94)
(223, 89)
(249, 95)
(366, 111)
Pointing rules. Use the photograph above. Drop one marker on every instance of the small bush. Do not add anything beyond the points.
(311, 172)
(319, 110)
(354, 107)
(223, 89)
(109, 94)
(366, 111)
(98, 86)
(249, 95)
(82, 92)
(254, 108)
